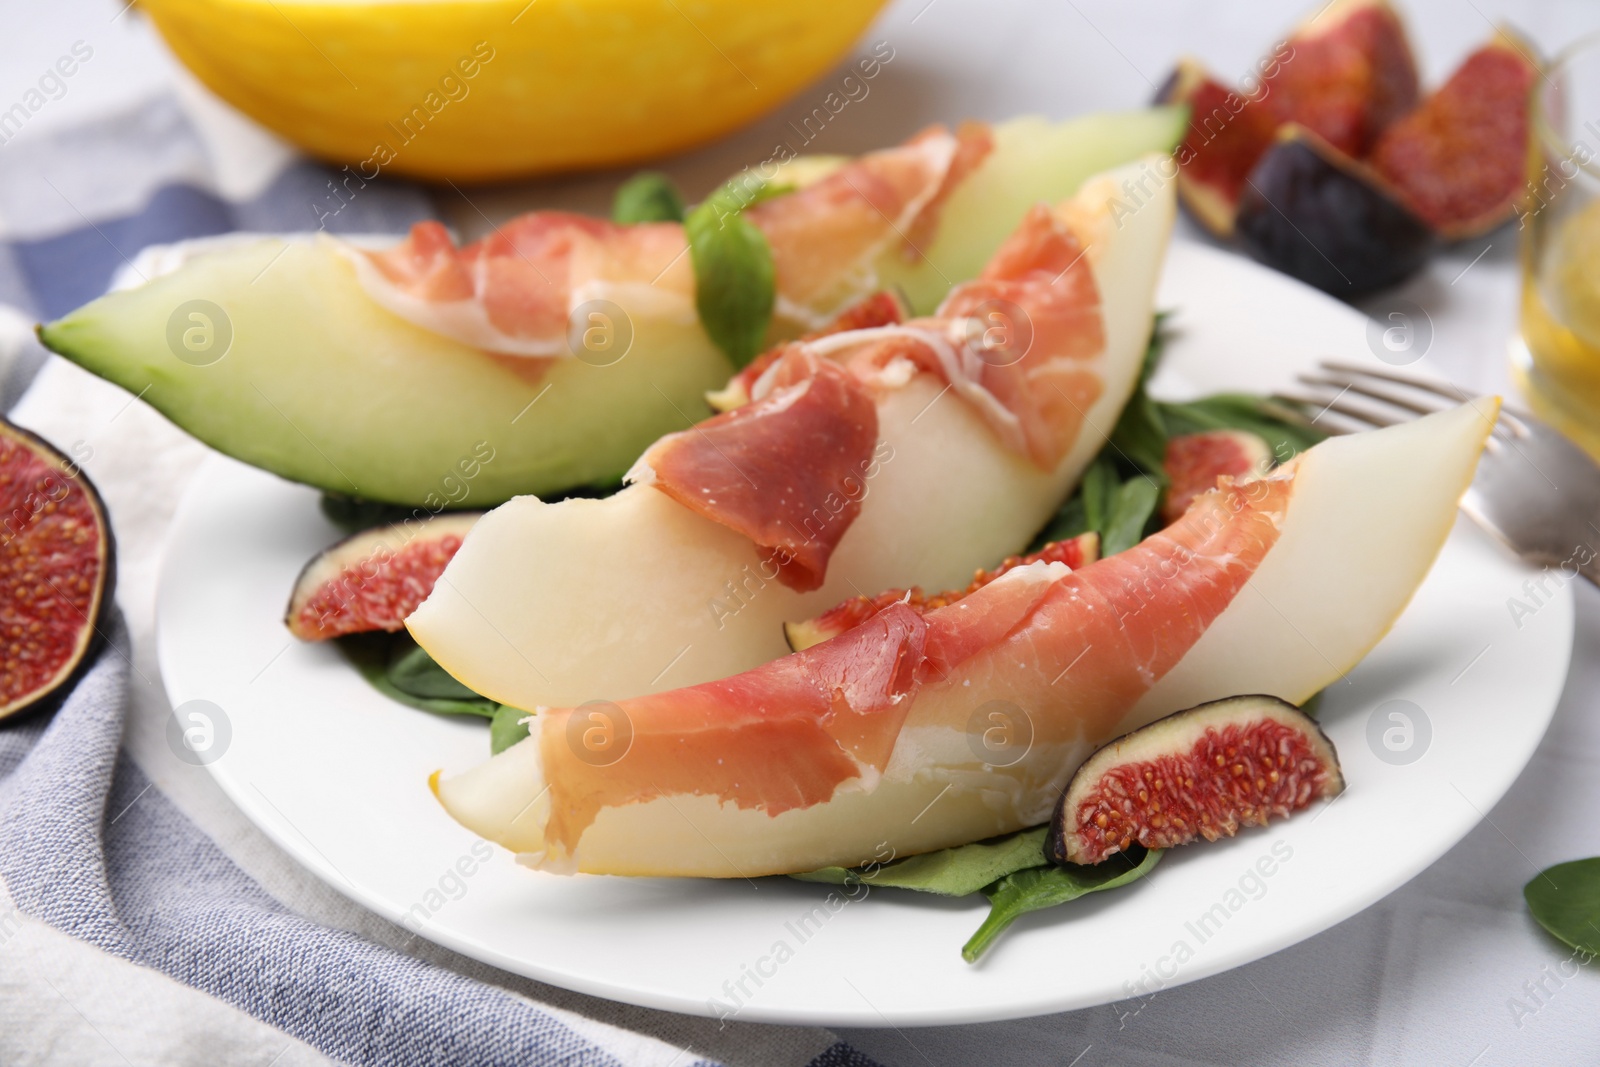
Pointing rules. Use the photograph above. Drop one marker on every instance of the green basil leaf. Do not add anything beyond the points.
(1131, 507)
(734, 279)
(950, 872)
(648, 196)
(1044, 887)
(1565, 900)
(506, 728)
(371, 654)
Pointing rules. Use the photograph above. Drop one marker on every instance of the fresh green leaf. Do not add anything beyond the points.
(1565, 900)
(353, 514)
(411, 670)
(1284, 430)
(1043, 887)
(371, 655)
(735, 281)
(648, 196)
(1131, 507)
(1140, 435)
(950, 872)
(506, 728)
(1098, 491)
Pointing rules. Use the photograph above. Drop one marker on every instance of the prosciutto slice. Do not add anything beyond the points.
(513, 291)
(987, 705)
(789, 734)
(787, 471)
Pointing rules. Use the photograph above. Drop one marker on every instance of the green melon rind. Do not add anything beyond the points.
(320, 385)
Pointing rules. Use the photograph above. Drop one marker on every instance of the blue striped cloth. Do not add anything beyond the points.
(127, 933)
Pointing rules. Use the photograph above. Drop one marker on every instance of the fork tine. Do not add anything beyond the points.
(1509, 426)
(1445, 389)
(1376, 392)
(1324, 403)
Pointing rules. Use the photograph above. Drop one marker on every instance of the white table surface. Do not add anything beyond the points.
(1448, 971)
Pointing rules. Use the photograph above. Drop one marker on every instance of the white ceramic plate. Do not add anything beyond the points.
(337, 775)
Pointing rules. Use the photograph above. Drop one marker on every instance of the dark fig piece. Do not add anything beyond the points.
(374, 579)
(1458, 161)
(57, 569)
(1075, 552)
(1345, 74)
(1204, 772)
(1318, 215)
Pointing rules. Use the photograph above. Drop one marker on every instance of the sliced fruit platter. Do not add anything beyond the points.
(868, 558)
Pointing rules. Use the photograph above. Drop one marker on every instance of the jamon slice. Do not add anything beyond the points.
(1075, 552)
(640, 593)
(885, 735)
(513, 292)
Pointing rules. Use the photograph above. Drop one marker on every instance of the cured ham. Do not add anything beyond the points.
(885, 735)
(768, 469)
(643, 591)
(1073, 552)
(512, 292)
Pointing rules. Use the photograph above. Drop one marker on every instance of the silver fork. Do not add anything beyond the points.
(1535, 491)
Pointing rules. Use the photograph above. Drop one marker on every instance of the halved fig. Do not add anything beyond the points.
(1318, 215)
(1075, 552)
(1458, 161)
(1204, 772)
(374, 579)
(1346, 73)
(57, 569)
(1194, 462)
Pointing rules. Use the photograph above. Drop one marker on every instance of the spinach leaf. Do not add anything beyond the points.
(648, 196)
(1131, 508)
(1044, 887)
(1285, 430)
(734, 280)
(1565, 900)
(950, 872)
(352, 514)
(372, 655)
(411, 670)
(506, 728)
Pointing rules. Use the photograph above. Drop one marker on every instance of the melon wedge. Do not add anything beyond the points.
(556, 604)
(321, 385)
(1274, 586)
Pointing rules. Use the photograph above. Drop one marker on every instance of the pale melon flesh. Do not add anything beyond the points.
(1367, 516)
(556, 604)
(320, 385)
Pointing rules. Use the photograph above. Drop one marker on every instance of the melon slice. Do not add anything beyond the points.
(293, 367)
(884, 736)
(556, 604)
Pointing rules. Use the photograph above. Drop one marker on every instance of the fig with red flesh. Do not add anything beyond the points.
(1200, 773)
(1458, 161)
(57, 569)
(1194, 462)
(1318, 215)
(1346, 74)
(374, 579)
(1075, 552)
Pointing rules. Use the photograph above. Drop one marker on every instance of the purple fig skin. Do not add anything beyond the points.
(1319, 216)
